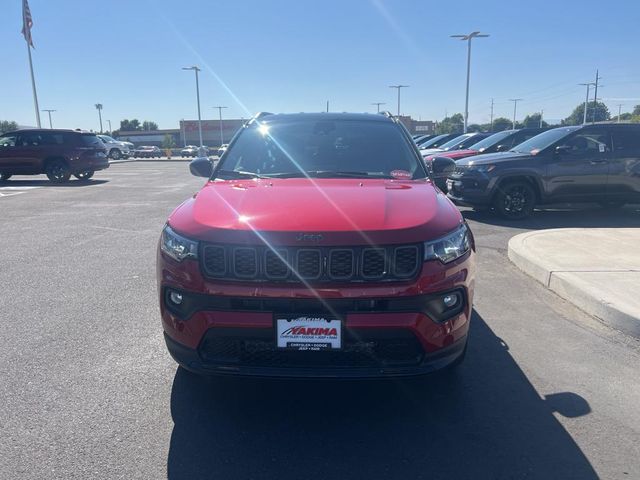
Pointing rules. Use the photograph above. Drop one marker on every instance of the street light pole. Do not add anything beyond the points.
(468, 39)
(491, 122)
(49, 112)
(377, 104)
(110, 131)
(220, 112)
(619, 111)
(515, 104)
(196, 69)
(398, 87)
(99, 108)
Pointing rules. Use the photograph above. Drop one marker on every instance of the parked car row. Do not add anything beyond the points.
(512, 172)
(147, 151)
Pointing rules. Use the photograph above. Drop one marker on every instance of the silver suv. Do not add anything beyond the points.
(115, 149)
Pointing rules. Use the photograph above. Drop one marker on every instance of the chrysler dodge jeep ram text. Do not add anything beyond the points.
(317, 247)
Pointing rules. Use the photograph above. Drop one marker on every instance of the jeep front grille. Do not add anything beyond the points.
(311, 264)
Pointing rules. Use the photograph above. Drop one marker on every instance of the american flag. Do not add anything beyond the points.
(27, 22)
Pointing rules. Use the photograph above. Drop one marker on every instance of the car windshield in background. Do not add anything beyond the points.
(542, 141)
(321, 148)
(453, 143)
(490, 141)
(434, 142)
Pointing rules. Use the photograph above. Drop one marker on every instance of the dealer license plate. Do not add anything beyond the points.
(308, 332)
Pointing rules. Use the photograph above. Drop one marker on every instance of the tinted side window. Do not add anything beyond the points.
(51, 138)
(520, 137)
(626, 140)
(89, 140)
(589, 141)
(8, 140)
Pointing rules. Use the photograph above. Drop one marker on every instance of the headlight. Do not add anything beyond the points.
(176, 246)
(482, 168)
(449, 247)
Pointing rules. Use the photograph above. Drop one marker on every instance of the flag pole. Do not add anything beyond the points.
(33, 85)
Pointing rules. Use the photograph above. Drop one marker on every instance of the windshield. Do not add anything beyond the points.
(490, 141)
(542, 141)
(453, 143)
(434, 142)
(322, 148)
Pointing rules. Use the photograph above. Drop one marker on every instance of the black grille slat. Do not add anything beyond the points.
(245, 262)
(309, 263)
(317, 265)
(214, 258)
(405, 261)
(275, 263)
(373, 263)
(341, 264)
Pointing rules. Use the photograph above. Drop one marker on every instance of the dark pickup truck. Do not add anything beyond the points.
(591, 163)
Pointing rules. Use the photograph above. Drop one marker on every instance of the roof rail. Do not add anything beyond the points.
(261, 114)
(387, 114)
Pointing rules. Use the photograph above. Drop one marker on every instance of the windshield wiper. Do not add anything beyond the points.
(238, 174)
(328, 174)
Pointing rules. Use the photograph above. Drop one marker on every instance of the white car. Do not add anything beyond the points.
(115, 149)
(222, 149)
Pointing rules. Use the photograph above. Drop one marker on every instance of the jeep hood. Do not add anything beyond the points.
(492, 158)
(343, 211)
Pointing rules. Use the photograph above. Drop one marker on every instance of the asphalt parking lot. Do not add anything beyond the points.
(88, 390)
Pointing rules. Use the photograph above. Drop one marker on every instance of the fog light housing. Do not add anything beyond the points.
(450, 300)
(175, 298)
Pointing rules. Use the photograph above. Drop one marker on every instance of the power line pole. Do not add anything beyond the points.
(541, 113)
(220, 122)
(586, 101)
(515, 104)
(377, 104)
(398, 87)
(110, 131)
(327, 106)
(619, 111)
(49, 112)
(595, 97)
(491, 123)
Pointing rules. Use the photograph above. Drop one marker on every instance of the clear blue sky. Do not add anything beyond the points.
(293, 55)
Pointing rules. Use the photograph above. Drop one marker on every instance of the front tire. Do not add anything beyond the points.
(115, 154)
(515, 200)
(86, 175)
(58, 171)
(4, 177)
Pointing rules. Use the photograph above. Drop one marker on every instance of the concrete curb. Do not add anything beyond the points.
(570, 286)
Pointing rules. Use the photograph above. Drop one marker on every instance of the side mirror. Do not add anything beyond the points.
(442, 166)
(502, 148)
(201, 167)
(563, 149)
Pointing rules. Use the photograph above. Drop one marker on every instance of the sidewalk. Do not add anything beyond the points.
(597, 269)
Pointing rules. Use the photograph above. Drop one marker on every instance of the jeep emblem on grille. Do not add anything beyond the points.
(309, 237)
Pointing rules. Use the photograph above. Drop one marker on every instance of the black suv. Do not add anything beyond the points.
(57, 153)
(590, 163)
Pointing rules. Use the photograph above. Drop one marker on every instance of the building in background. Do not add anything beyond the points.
(210, 131)
(149, 137)
(424, 127)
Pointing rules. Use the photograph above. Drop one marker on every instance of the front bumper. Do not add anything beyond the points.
(192, 360)
(228, 327)
(468, 191)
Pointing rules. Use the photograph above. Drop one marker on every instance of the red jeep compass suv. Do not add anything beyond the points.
(318, 247)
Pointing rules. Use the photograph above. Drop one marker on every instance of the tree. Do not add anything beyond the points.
(577, 116)
(168, 141)
(452, 124)
(532, 121)
(636, 110)
(475, 127)
(501, 123)
(7, 126)
(147, 126)
(129, 125)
